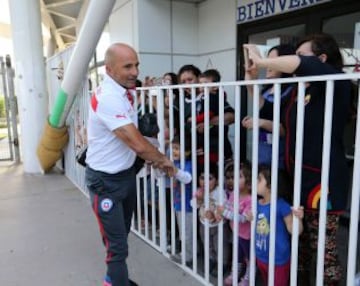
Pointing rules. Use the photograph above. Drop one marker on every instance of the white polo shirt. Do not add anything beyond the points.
(109, 109)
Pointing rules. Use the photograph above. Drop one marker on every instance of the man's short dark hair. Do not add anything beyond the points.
(213, 74)
(195, 70)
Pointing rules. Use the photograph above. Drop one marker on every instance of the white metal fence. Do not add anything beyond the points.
(76, 120)
(150, 218)
(9, 134)
(155, 194)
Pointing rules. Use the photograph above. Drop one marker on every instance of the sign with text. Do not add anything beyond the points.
(250, 10)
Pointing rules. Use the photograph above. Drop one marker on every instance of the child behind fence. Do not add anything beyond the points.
(228, 212)
(283, 229)
(210, 214)
(184, 176)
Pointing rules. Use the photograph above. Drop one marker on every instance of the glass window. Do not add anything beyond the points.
(342, 28)
(287, 35)
(346, 31)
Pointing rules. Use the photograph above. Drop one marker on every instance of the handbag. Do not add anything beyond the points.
(81, 156)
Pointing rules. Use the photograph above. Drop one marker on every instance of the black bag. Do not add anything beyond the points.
(81, 156)
(147, 125)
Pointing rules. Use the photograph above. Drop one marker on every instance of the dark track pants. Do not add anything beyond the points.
(113, 199)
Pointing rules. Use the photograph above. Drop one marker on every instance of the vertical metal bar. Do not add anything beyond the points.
(220, 227)
(355, 199)
(4, 69)
(183, 195)
(6, 96)
(236, 188)
(138, 205)
(171, 135)
(274, 183)
(151, 104)
(161, 181)
(153, 205)
(143, 103)
(182, 226)
(194, 171)
(206, 181)
(254, 175)
(146, 207)
(297, 179)
(324, 181)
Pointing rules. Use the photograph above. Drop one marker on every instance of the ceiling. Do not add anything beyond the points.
(64, 17)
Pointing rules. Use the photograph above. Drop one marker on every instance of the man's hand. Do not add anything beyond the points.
(166, 166)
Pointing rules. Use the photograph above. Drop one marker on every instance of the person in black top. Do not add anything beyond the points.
(317, 54)
(266, 105)
(188, 74)
(208, 76)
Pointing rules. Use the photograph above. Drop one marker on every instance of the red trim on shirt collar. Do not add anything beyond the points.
(94, 102)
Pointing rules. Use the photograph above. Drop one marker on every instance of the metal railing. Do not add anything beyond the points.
(156, 232)
(9, 134)
(155, 194)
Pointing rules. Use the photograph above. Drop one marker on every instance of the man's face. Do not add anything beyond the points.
(203, 79)
(188, 77)
(125, 68)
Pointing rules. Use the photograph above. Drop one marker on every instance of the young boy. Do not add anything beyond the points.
(183, 176)
(210, 76)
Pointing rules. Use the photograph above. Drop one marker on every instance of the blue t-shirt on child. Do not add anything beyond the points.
(282, 236)
(188, 188)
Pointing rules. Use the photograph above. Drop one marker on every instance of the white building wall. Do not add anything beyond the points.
(217, 37)
(154, 37)
(169, 34)
(122, 27)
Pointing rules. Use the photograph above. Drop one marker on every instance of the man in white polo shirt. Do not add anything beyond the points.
(113, 144)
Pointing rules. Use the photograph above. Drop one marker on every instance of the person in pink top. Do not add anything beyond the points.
(227, 211)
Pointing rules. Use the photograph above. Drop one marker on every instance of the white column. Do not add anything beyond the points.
(30, 77)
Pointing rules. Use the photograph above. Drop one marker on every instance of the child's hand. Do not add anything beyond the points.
(199, 152)
(298, 212)
(219, 212)
(218, 217)
(249, 216)
(220, 209)
(209, 215)
(199, 195)
(200, 127)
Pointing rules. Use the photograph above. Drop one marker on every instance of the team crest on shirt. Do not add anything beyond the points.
(106, 205)
(307, 99)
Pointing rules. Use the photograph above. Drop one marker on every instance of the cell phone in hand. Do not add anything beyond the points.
(246, 58)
